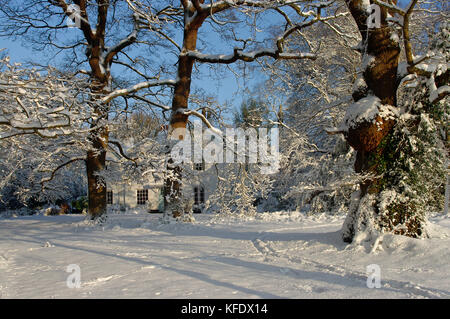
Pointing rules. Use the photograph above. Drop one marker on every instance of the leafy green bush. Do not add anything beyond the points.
(79, 205)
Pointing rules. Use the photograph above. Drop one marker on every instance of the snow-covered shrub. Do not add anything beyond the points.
(80, 205)
(316, 168)
(42, 129)
(24, 168)
(241, 189)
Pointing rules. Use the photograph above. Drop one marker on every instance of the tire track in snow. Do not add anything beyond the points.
(100, 280)
(264, 247)
(4, 262)
(94, 283)
(3, 267)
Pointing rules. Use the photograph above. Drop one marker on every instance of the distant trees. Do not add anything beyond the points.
(26, 173)
(243, 186)
(373, 71)
(42, 118)
(139, 148)
(252, 113)
(316, 171)
(228, 17)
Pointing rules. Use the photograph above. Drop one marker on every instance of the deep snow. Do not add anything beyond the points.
(275, 255)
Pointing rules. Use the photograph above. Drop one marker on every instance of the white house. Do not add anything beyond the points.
(200, 182)
(133, 195)
(127, 190)
(148, 192)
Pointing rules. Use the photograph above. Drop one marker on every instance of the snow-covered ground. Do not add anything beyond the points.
(277, 255)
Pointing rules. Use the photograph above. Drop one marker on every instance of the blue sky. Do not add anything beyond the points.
(226, 89)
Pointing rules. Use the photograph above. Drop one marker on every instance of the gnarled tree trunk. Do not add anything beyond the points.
(380, 57)
(394, 130)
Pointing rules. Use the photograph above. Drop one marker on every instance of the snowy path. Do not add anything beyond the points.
(282, 255)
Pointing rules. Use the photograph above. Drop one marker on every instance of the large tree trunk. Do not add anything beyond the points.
(380, 55)
(173, 200)
(95, 164)
(380, 77)
(98, 137)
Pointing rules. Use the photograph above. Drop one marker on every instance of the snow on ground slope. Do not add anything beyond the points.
(278, 255)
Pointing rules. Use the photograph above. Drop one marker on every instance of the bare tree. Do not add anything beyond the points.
(222, 15)
(42, 119)
(316, 173)
(103, 43)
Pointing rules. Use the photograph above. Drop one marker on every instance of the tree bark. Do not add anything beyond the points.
(380, 77)
(95, 164)
(173, 183)
(98, 137)
(381, 54)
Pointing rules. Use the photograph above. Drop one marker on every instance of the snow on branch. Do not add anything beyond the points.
(129, 40)
(204, 120)
(238, 54)
(135, 88)
(311, 17)
(121, 151)
(53, 172)
(47, 105)
(218, 6)
(439, 93)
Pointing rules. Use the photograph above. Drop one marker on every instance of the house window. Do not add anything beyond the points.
(142, 196)
(109, 197)
(199, 166)
(199, 195)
